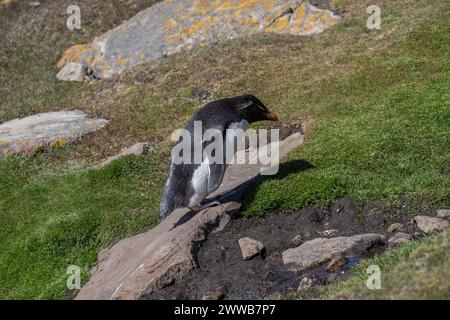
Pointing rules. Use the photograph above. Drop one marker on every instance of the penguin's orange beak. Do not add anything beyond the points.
(272, 116)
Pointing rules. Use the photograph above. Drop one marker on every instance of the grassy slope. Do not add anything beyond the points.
(380, 100)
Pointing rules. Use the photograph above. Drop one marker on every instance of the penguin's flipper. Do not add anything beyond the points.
(216, 173)
(217, 168)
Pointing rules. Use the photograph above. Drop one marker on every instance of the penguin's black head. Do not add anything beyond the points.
(252, 109)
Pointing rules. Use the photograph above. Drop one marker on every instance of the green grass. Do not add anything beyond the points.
(379, 101)
(56, 221)
(374, 140)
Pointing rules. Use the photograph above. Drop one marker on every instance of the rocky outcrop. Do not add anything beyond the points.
(321, 250)
(171, 26)
(138, 265)
(45, 131)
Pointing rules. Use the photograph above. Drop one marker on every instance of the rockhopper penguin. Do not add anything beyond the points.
(189, 184)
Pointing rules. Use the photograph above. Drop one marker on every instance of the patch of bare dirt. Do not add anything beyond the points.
(220, 263)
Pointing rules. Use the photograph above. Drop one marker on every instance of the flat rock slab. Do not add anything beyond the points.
(171, 26)
(321, 250)
(45, 130)
(138, 265)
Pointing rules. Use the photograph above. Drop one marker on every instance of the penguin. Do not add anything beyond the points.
(189, 184)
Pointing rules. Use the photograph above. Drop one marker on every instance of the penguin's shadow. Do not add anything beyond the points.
(285, 169)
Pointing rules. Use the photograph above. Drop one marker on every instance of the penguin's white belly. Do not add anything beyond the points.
(200, 180)
(201, 176)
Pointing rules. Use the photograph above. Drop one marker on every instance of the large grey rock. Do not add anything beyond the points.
(171, 26)
(140, 264)
(45, 130)
(320, 250)
(429, 224)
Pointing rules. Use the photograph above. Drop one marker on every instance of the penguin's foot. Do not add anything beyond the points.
(207, 205)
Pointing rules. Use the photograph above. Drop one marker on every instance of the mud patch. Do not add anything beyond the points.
(220, 263)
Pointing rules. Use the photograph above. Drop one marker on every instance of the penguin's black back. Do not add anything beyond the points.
(178, 190)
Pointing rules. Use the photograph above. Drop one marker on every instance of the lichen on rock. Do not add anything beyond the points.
(171, 26)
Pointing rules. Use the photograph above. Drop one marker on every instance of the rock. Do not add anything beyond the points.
(214, 295)
(429, 224)
(330, 232)
(396, 227)
(250, 247)
(330, 279)
(399, 239)
(338, 260)
(138, 265)
(168, 27)
(34, 4)
(320, 250)
(137, 149)
(443, 213)
(72, 71)
(297, 240)
(306, 283)
(45, 131)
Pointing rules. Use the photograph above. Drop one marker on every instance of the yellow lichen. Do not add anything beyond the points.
(59, 143)
(121, 61)
(169, 25)
(75, 54)
(280, 25)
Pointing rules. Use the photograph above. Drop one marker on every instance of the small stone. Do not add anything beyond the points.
(338, 260)
(250, 247)
(72, 72)
(399, 239)
(214, 294)
(443, 213)
(396, 227)
(429, 224)
(34, 4)
(297, 240)
(306, 283)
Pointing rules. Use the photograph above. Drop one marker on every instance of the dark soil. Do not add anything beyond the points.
(220, 263)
